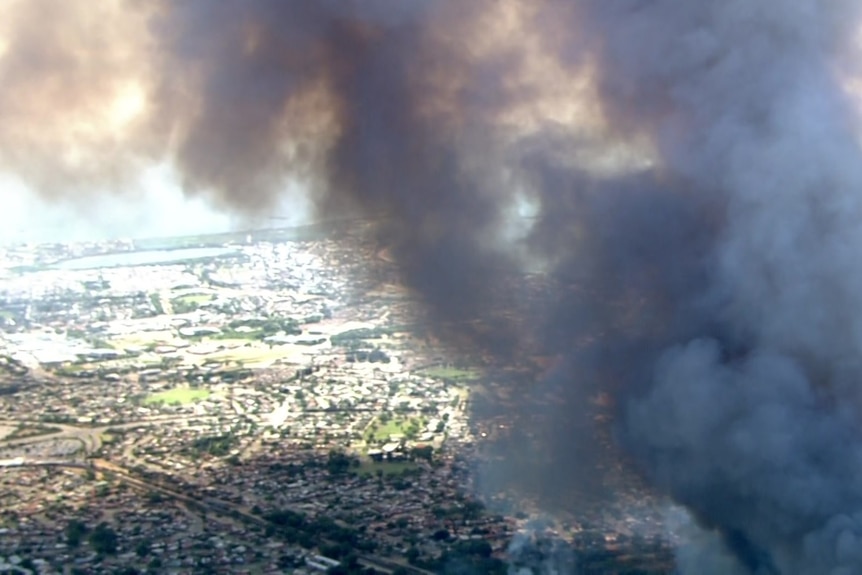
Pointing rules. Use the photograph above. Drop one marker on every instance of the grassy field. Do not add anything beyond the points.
(379, 431)
(387, 467)
(178, 396)
(452, 373)
(192, 299)
(383, 430)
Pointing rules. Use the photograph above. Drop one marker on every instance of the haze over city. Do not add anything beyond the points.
(572, 284)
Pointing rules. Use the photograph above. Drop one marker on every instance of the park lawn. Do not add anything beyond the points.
(367, 467)
(178, 396)
(193, 298)
(394, 426)
(452, 373)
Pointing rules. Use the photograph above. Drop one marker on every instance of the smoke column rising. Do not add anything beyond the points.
(694, 170)
(754, 423)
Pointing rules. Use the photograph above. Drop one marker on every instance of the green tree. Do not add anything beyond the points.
(338, 462)
(75, 531)
(143, 548)
(103, 539)
(441, 535)
(425, 452)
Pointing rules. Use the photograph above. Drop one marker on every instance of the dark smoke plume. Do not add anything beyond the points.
(692, 169)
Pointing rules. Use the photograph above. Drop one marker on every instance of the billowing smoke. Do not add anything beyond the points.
(751, 419)
(691, 171)
(531, 554)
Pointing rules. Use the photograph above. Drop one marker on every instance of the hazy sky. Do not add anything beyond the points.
(78, 121)
(160, 209)
(157, 208)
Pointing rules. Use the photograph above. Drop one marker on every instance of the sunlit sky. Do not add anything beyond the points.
(158, 208)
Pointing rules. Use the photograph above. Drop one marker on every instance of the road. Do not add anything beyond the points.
(91, 437)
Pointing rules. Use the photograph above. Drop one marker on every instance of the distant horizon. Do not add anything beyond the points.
(274, 223)
(158, 208)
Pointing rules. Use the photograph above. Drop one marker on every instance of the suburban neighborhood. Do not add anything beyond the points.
(266, 402)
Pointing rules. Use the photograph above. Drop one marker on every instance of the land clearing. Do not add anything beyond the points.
(257, 355)
(145, 338)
